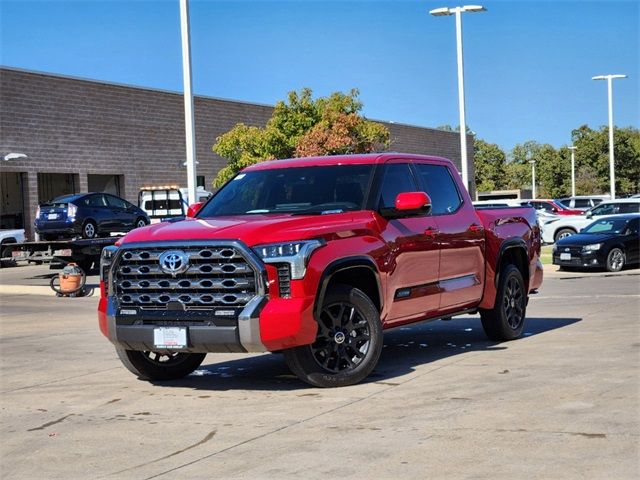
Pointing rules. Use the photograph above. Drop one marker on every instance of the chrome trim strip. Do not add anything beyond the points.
(249, 325)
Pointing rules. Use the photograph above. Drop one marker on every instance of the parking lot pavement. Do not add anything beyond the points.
(444, 402)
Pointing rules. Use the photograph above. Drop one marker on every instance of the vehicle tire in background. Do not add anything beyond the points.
(348, 343)
(160, 366)
(140, 222)
(89, 229)
(563, 233)
(505, 321)
(5, 252)
(615, 260)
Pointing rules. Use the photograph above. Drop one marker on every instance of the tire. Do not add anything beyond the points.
(615, 260)
(563, 233)
(348, 343)
(505, 321)
(140, 222)
(156, 366)
(89, 229)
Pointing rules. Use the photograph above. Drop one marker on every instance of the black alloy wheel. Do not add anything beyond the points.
(348, 342)
(615, 260)
(149, 365)
(514, 303)
(343, 338)
(505, 321)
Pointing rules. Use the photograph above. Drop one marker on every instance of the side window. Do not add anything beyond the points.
(634, 225)
(397, 179)
(96, 201)
(115, 202)
(608, 209)
(629, 208)
(581, 203)
(438, 183)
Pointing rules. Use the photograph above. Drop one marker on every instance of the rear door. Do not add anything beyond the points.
(460, 240)
(412, 260)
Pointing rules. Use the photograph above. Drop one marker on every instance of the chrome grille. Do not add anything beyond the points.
(218, 276)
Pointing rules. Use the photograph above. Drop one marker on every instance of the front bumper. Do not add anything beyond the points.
(582, 260)
(263, 325)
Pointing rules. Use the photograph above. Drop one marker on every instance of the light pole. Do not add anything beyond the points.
(457, 11)
(533, 178)
(573, 170)
(612, 173)
(189, 130)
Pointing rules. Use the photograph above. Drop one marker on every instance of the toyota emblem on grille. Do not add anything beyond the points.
(174, 262)
(566, 249)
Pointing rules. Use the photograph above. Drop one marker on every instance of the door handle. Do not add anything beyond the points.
(431, 232)
(476, 228)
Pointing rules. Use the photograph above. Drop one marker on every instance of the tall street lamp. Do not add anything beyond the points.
(573, 170)
(189, 129)
(533, 178)
(457, 11)
(612, 173)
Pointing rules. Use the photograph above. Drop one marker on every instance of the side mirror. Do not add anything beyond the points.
(413, 203)
(589, 214)
(193, 209)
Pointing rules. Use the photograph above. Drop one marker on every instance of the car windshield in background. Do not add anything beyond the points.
(606, 225)
(304, 190)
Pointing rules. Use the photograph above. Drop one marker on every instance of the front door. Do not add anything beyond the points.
(412, 259)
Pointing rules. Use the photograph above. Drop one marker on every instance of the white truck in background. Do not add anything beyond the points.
(168, 202)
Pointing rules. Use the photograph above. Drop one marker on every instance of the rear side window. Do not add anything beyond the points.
(629, 208)
(440, 186)
(397, 179)
(95, 201)
(115, 202)
(582, 203)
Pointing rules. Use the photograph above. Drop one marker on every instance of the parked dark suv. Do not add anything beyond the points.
(87, 215)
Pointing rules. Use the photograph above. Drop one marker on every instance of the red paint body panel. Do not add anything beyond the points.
(427, 266)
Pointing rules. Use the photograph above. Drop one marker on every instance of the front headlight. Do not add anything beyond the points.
(592, 248)
(105, 261)
(296, 254)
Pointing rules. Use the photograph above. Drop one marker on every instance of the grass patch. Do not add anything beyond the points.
(546, 255)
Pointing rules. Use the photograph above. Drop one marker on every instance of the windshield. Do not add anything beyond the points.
(304, 190)
(607, 225)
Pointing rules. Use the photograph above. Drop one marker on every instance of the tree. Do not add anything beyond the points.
(302, 126)
(490, 162)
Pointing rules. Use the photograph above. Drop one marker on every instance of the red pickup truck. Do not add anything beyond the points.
(315, 257)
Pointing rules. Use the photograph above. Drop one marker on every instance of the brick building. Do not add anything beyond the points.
(84, 135)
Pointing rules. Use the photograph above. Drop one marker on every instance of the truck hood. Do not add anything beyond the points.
(253, 229)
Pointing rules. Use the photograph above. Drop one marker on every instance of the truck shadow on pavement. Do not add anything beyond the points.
(404, 349)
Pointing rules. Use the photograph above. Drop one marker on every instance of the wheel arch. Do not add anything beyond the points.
(557, 230)
(357, 271)
(513, 252)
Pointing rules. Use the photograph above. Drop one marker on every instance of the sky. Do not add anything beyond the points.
(528, 65)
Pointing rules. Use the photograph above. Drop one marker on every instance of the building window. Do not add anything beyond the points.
(200, 181)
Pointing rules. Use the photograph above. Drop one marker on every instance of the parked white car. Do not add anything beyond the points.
(565, 226)
(8, 237)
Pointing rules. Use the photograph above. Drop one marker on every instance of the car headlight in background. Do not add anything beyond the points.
(296, 254)
(592, 248)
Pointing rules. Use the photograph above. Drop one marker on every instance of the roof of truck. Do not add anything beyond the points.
(359, 159)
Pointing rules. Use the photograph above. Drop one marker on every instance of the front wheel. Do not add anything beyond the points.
(141, 222)
(564, 233)
(615, 260)
(505, 321)
(348, 343)
(160, 366)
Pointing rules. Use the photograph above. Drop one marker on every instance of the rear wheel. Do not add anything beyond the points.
(89, 229)
(160, 366)
(348, 343)
(505, 321)
(615, 260)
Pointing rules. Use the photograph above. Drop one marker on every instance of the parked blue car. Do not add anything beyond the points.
(87, 215)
